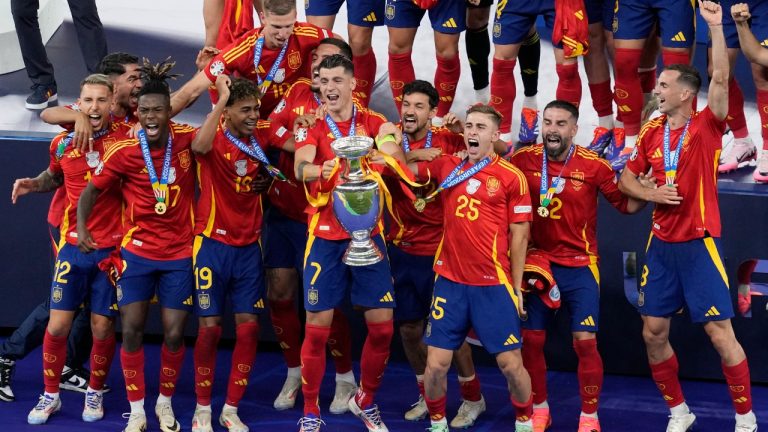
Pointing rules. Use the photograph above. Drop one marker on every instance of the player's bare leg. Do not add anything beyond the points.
(503, 88)
(519, 384)
(133, 317)
(213, 11)
(400, 66)
(324, 21)
(760, 76)
(281, 288)
(472, 401)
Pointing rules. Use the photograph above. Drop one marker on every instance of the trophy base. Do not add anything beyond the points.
(362, 253)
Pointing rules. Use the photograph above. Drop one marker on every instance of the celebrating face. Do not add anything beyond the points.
(241, 116)
(416, 113)
(277, 28)
(480, 132)
(322, 51)
(336, 87)
(559, 129)
(154, 114)
(95, 101)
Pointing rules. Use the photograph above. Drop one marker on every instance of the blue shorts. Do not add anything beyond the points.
(413, 278)
(514, 19)
(449, 16)
(579, 292)
(284, 241)
(222, 270)
(326, 278)
(676, 18)
(143, 279)
(600, 11)
(758, 9)
(457, 307)
(687, 274)
(77, 278)
(363, 13)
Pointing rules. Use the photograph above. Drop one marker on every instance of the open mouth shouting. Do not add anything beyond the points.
(152, 130)
(410, 122)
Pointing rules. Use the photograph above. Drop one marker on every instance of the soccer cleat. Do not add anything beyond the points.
(6, 372)
(46, 406)
(418, 410)
(76, 379)
(746, 422)
(287, 397)
(137, 422)
(621, 160)
(94, 406)
(741, 154)
(588, 424)
(468, 413)
(542, 419)
(310, 423)
(344, 391)
(523, 426)
(166, 418)
(761, 172)
(230, 420)
(601, 139)
(681, 423)
(529, 126)
(201, 420)
(371, 417)
(483, 95)
(612, 151)
(42, 96)
(440, 426)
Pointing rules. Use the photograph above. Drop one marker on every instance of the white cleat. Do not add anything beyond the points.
(137, 422)
(94, 406)
(166, 418)
(371, 417)
(469, 411)
(287, 397)
(46, 406)
(681, 423)
(418, 410)
(231, 421)
(746, 422)
(201, 420)
(344, 391)
(310, 423)
(742, 153)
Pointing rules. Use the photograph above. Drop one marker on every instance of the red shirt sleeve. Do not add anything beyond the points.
(233, 58)
(109, 173)
(519, 208)
(638, 162)
(53, 164)
(715, 125)
(606, 181)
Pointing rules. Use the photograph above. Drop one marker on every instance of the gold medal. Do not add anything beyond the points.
(543, 212)
(420, 204)
(160, 208)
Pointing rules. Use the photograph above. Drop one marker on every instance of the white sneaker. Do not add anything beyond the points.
(166, 418)
(746, 422)
(680, 423)
(526, 426)
(137, 422)
(440, 426)
(231, 421)
(201, 420)
(45, 407)
(310, 424)
(371, 417)
(94, 406)
(344, 391)
(287, 397)
(418, 410)
(468, 413)
(741, 154)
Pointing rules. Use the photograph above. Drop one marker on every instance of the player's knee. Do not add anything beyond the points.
(411, 332)
(654, 336)
(381, 333)
(132, 338)
(59, 328)
(437, 367)
(101, 327)
(173, 339)
(281, 285)
(511, 366)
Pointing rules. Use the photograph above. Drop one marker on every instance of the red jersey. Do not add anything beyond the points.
(699, 213)
(476, 218)
(419, 233)
(77, 168)
(57, 206)
(228, 210)
(236, 20)
(569, 233)
(146, 233)
(238, 58)
(322, 221)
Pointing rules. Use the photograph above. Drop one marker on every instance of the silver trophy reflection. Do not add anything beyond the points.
(356, 201)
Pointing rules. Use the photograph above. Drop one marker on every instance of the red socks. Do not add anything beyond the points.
(102, 353)
(400, 73)
(285, 322)
(313, 365)
(736, 120)
(340, 342)
(365, 75)
(737, 378)
(602, 98)
(629, 93)
(470, 390)
(535, 363)
(133, 372)
(590, 372)
(446, 80)
(675, 57)
(170, 367)
(647, 79)
(436, 408)
(205, 362)
(373, 361)
(243, 356)
(523, 411)
(762, 109)
(54, 355)
(665, 376)
(569, 84)
(503, 91)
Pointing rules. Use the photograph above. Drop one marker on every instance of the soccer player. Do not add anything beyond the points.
(284, 241)
(413, 242)
(683, 262)
(156, 174)
(485, 199)
(227, 20)
(77, 277)
(564, 232)
(274, 56)
(362, 17)
(326, 277)
(448, 20)
(753, 50)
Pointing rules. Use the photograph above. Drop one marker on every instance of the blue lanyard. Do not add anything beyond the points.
(671, 158)
(546, 192)
(407, 145)
(264, 84)
(335, 128)
(454, 178)
(254, 151)
(64, 143)
(160, 187)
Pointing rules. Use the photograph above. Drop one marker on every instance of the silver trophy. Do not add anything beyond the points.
(356, 201)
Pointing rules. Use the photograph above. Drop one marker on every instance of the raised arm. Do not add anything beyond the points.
(189, 92)
(46, 181)
(753, 51)
(717, 97)
(203, 142)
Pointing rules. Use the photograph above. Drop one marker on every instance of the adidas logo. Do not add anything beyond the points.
(511, 340)
(387, 298)
(657, 154)
(450, 23)
(188, 301)
(741, 400)
(259, 304)
(299, 110)
(242, 382)
(679, 37)
(712, 312)
(205, 383)
(579, 14)
(625, 108)
(132, 387)
(167, 385)
(588, 322)
(371, 17)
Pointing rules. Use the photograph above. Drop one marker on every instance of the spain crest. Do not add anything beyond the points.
(492, 185)
(390, 11)
(294, 60)
(185, 160)
(58, 294)
(204, 301)
(313, 296)
(577, 179)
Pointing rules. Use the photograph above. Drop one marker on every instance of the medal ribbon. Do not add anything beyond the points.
(255, 151)
(334, 127)
(160, 188)
(64, 143)
(546, 192)
(671, 158)
(267, 81)
(407, 145)
(454, 178)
